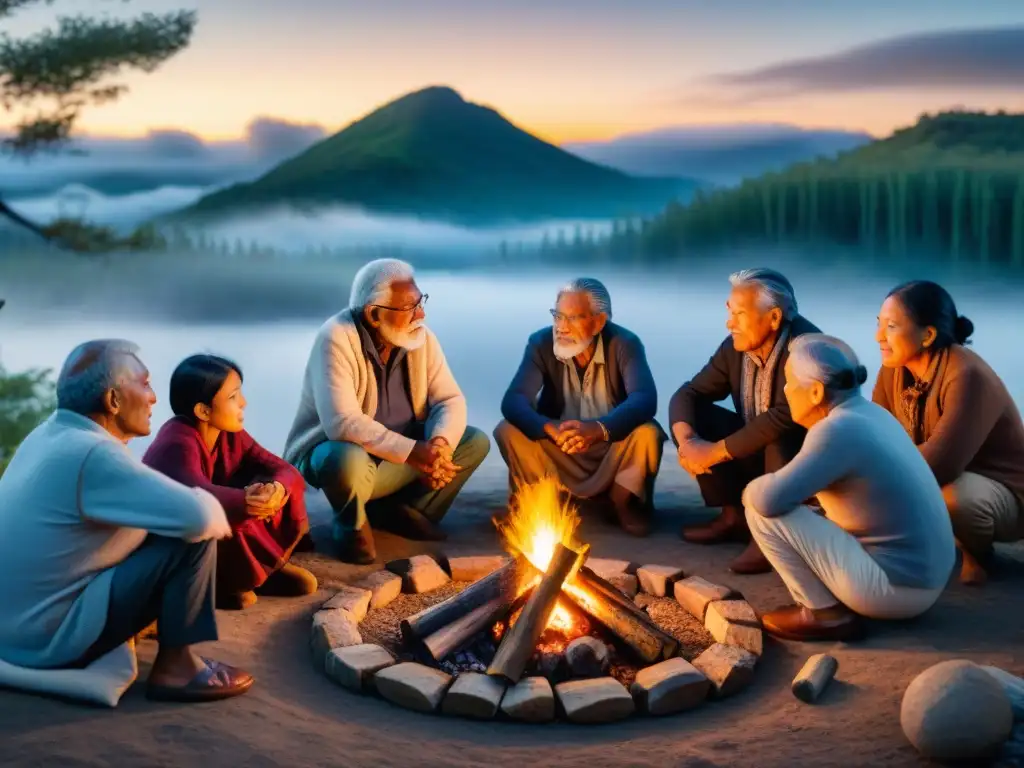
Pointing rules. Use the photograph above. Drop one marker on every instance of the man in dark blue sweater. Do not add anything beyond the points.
(581, 408)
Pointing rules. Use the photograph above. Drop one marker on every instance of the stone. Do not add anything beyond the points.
(423, 575)
(729, 668)
(626, 583)
(956, 711)
(734, 622)
(695, 594)
(384, 587)
(474, 695)
(332, 629)
(355, 600)
(587, 657)
(1014, 687)
(475, 568)
(606, 568)
(354, 666)
(657, 580)
(597, 700)
(669, 686)
(413, 686)
(531, 700)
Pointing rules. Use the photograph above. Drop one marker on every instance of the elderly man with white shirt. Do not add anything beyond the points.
(95, 546)
(885, 547)
(381, 417)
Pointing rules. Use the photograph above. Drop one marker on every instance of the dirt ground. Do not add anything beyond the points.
(294, 716)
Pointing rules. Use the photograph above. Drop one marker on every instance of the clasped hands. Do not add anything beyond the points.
(433, 459)
(263, 500)
(574, 436)
(698, 456)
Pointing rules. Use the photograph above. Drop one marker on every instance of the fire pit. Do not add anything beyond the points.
(545, 629)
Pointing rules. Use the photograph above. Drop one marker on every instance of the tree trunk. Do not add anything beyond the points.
(8, 213)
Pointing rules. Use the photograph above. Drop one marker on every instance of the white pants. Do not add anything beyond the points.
(822, 565)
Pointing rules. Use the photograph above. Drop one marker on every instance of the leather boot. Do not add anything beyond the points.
(355, 547)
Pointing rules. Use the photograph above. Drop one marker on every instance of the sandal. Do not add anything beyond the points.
(204, 686)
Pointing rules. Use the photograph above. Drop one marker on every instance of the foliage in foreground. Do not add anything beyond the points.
(26, 400)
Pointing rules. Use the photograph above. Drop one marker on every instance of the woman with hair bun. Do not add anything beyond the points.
(958, 412)
(884, 548)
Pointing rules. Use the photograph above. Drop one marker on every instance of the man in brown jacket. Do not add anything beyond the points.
(724, 450)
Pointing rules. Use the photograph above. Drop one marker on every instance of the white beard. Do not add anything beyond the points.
(408, 340)
(567, 351)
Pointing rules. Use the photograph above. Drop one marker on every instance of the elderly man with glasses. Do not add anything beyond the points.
(381, 424)
(581, 408)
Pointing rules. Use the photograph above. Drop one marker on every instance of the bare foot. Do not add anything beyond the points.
(972, 574)
(175, 667)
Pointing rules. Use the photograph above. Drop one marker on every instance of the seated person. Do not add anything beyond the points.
(957, 411)
(884, 548)
(95, 546)
(381, 416)
(205, 446)
(582, 406)
(724, 450)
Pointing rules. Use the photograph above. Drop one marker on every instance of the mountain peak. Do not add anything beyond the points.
(435, 96)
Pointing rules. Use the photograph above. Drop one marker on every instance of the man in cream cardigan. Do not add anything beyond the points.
(95, 546)
(381, 418)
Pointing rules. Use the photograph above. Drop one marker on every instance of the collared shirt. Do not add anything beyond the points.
(394, 403)
(586, 392)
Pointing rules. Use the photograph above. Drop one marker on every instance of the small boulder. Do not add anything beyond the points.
(587, 657)
(956, 711)
(474, 695)
(734, 622)
(598, 700)
(475, 568)
(657, 580)
(728, 667)
(355, 600)
(354, 666)
(626, 583)
(695, 594)
(332, 629)
(531, 700)
(413, 686)
(670, 686)
(606, 568)
(420, 573)
(384, 587)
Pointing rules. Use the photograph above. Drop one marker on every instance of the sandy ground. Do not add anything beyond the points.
(296, 717)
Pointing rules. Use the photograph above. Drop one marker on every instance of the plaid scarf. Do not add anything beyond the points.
(758, 379)
(910, 396)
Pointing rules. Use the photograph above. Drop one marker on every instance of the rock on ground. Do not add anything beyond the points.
(587, 657)
(728, 667)
(598, 700)
(530, 700)
(626, 583)
(695, 594)
(956, 711)
(420, 574)
(474, 695)
(669, 686)
(657, 580)
(355, 600)
(355, 666)
(413, 686)
(384, 587)
(332, 629)
(734, 622)
(476, 567)
(606, 568)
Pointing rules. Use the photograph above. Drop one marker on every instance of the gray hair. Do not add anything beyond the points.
(91, 369)
(830, 361)
(372, 283)
(600, 299)
(773, 288)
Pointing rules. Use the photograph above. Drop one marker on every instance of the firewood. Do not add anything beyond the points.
(453, 636)
(502, 583)
(814, 677)
(519, 642)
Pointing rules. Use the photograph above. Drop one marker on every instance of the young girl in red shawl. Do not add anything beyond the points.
(205, 446)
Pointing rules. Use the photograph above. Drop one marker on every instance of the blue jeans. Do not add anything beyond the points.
(351, 479)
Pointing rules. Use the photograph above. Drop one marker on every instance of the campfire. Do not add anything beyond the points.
(533, 607)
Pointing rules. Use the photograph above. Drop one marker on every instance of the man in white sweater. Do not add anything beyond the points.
(381, 418)
(95, 546)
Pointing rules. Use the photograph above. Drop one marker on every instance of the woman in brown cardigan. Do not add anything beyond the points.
(958, 412)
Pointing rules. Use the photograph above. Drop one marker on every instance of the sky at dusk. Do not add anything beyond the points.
(572, 69)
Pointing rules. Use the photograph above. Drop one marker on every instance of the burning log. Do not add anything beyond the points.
(452, 637)
(620, 616)
(501, 584)
(519, 642)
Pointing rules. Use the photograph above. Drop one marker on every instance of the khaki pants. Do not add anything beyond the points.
(982, 512)
(821, 565)
(632, 463)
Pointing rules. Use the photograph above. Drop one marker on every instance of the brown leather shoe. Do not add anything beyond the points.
(236, 601)
(356, 547)
(795, 622)
(751, 561)
(289, 581)
(729, 526)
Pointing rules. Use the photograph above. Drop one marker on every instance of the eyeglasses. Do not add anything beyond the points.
(418, 305)
(571, 319)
